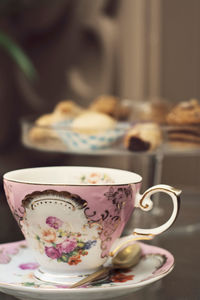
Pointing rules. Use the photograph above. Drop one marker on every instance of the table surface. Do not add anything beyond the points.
(183, 241)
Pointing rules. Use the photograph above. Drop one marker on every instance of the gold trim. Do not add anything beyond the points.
(48, 196)
(147, 237)
(141, 200)
(144, 234)
(66, 184)
(34, 204)
(66, 276)
(175, 191)
(18, 287)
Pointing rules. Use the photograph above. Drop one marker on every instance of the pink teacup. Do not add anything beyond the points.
(72, 217)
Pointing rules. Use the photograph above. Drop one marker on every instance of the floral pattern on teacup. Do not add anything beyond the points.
(69, 249)
(46, 212)
(96, 178)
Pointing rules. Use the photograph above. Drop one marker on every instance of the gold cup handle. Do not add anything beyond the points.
(145, 203)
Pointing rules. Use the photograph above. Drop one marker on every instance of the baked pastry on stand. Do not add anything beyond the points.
(184, 125)
(143, 137)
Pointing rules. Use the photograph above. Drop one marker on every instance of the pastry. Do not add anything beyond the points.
(111, 106)
(42, 135)
(66, 109)
(92, 123)
(186, 136)
(155, 110)
(45, 120)
(143, 137)
(106, 104)
(185, 113)
(42, 131)
(184, 121)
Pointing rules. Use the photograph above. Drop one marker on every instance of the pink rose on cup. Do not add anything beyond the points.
(54, 222)
(67, 246)
(52, 252)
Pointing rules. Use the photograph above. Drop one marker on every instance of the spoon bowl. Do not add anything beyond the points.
(127, 257)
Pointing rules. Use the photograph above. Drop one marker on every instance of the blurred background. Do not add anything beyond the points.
(78, 49)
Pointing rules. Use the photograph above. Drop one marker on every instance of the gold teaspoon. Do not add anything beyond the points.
(124, 259)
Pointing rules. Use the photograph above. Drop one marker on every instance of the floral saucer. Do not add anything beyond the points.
(17, 265)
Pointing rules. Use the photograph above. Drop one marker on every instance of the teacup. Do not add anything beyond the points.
(72, 217)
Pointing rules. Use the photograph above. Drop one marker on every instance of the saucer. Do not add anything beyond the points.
(17, 266)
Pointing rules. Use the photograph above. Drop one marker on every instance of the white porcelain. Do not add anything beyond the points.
(17, 266)
(73, 217)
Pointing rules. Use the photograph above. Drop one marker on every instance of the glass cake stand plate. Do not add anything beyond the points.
(61, 138)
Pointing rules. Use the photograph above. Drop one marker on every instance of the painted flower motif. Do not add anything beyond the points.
(63, 232)
(4, 258)
(62, 286)
(121, 277)
(69, 251)
(74, 260)
(118, 197)
(54, 222)
(83, 252)
(40, 246)
(12, 250)
(30, 284)
(49, 235)
(94, 178)
(29, 266)
(30, 276)
(67, 246)
(89, 244)
(110, 194)
(52, 252)
(128, 191)
(62, 244)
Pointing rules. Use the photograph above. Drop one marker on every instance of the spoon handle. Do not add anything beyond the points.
(91, 277)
